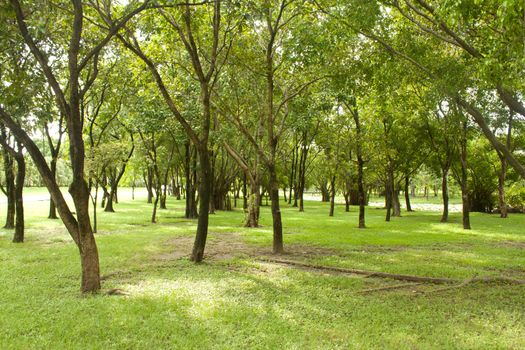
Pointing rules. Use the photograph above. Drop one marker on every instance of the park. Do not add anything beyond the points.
(266, 174)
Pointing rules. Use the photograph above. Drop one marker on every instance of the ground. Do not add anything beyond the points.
(237, 299)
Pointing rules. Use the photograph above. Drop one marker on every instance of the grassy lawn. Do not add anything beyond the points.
(236, 301)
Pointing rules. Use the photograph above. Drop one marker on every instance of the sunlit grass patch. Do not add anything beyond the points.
(237, 300)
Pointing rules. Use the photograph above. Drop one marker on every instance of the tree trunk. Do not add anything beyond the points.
(155, 205)
(204, 205)
(87, 247)
(149, 184)
(444, 190)
(109, 202)
(252, 219)
(52, 206)
(90, 263)
(302, 173)
(190, 172)
(19, 199)
(292, 181)
(94, 202)
(501, 188)
(244, 194)
(276, 212)
(407, 194)
(388, 197)
(332, 196)
(297, 178)
(360, 165)
(396, 205)
(464, 180)
(10, 190)
(503, 171)
(212, 208)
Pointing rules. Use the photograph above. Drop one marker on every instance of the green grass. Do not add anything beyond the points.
(234, 301)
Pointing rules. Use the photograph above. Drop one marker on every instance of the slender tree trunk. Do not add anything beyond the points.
(296, 180)
(293, 171)
(444, 190)
(149, 184)
(302, 174)
(244, 194)
(503, 171)
(94, 202)
(407, 194)
(10, 189)
(212, 208)
(360, 165)
(155, 205)
(464, 180)
(19, 199)
(332, 196)
(388, 197)
(501, 188)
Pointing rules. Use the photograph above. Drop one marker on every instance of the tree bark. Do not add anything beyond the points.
(360, 164)
(407, 194)
(396, 205)
(204, 205)
(444, 192)
(109, 202)
(464, 180)
(10, 189)
(52, 206)
(332, 196)
(19, 199)
(388, 196)
(278, 247)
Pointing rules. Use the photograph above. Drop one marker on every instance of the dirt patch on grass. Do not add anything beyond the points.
(512, 244)
(226, 246)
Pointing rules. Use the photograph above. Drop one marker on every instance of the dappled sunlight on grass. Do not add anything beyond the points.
(236, 301)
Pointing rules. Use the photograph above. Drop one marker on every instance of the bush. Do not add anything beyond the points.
(516, 196)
